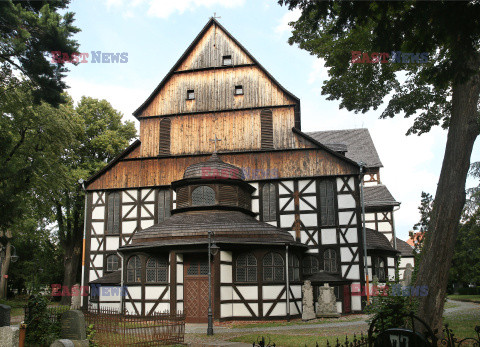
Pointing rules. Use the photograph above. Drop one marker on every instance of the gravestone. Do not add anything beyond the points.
(5, 315)
(308, 312)
(327, 302)
(73, 325)
(69, 343)
(9, 336)
(407, 275)
(76, 299)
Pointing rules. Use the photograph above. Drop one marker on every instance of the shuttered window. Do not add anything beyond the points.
(165, 136)
(293, 268)
(310, 265)
(327, 202)
(164, 205)
(379, 269)
(203, 196)
(266, 126)
(330, 260)
(134, 269)
(113, 213)
(269, 202)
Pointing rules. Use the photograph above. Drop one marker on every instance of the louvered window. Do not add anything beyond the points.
(273, 268)
(379, 269)
(157, 270)
(246, 268)
(310, 265)
(165, 136)
(134, 269)
(164, 205)
(330, 260)
(113, 213)
(266, 126)
(293, 268)
(113, 263)
(238, 90)
(203, 196)
(190, 94)
(269, 202)
(327, 202)
(227, 60)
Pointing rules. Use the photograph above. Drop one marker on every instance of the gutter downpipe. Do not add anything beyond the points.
(362, 197)
(288, 283)
(123, 290)
(82, 184)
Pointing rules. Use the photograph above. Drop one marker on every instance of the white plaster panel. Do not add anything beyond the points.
(179, 258)
(371, 226)
(146, 223)
(174, 205)
(288, 184)
(369, 216)
(312, 250)
(180, 292)
(369, 260)
(129, 227)
(98, 261)
(248, 292)
(351, 235)
(112, 243)
(242, 311)
(135, 292)
(162, 307)
(225, 256)
(147, 211)
(96, 196)
(150, 197)
(304, 238)
(129, 211)
(289, 207)
(226, 293)
(345, 254)
(293, 308)
(356, 303)
(255, 185)
(339, 306)
(109, 305)
(93, 275)
(126, 198)
(303, 183)
(174, 195)
(353, 274)
(110, 293)
(346, 201)
(309, 219)
(312, 200)
(226, 310)
(271, 292)
(384, 226)
(391, 261)
(130, 307)
(297, 292)
(272, 223)
(180, 306)
(255, 206)
(98, 212)
(329, 236)
(286, 221)
(179, 273)
(98, 227)
(94, 244)
(344, 217)
(279, 310)
(225, 273)
(293, 233)
(154, 292)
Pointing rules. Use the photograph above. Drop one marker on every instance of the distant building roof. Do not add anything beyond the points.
(358, 142)
(379, 195)
(405, 249)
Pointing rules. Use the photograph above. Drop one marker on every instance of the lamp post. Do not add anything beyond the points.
(212, 250)
(362, 199)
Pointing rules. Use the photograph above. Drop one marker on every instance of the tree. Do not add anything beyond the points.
(29, 31)
(102, 138)
(444, 90)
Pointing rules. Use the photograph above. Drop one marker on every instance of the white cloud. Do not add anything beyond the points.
(319, 72)
(288, 17)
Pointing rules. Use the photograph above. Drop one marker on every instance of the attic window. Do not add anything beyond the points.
(238, 90)
(190, 94)
(227, 60)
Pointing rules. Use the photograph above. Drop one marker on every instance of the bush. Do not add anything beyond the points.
(468, 291)
(41, 331)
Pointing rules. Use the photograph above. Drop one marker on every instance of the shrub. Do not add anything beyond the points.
(41, 331)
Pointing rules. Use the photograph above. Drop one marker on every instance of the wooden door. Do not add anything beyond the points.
(196, 289)
(347, 308)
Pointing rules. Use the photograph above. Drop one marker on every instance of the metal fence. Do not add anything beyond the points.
(117, 329)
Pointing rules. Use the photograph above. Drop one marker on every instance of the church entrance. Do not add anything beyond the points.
(196, 288)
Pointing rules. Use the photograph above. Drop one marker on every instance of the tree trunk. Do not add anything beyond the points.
(438, 248)
(5, 265)
(71, 264)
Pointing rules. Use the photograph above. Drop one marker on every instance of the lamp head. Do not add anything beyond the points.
(214, 249)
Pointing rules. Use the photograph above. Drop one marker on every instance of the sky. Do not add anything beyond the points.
(155, 33)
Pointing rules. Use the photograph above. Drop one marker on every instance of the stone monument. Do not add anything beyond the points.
(308, 311)
(76, 298)
(407, 275)
(327, 302)
(73, 325)
(5, 315)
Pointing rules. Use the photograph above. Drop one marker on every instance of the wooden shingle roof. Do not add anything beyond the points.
(379, 195)
(378, 241)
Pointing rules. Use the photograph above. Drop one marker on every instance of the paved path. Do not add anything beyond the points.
(461, 306)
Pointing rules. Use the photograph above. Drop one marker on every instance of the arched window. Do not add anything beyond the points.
(266, 127)
(330, 260)
(310, 265)
(203, 196)
(246, 268)
(269, 202)
(134, 269)
(273, 267)
(164, 205)
(164, 146)
(113, 213)
(293, 268)
(379, 269)
(327, 202)
(112, 263)
(157, 270)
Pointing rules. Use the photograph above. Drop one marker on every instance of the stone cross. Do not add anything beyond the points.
(308, 311)
(327, 302)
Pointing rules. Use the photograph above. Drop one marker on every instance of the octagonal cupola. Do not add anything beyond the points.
(213, 184)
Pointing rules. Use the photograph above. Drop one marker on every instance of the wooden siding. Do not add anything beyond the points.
(237, 130)
(204, 54)
(214, 90)
(162, 171)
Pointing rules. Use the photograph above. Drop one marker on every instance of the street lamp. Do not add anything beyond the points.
(212, 250)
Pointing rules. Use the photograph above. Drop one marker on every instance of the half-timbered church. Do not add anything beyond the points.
(222, 153)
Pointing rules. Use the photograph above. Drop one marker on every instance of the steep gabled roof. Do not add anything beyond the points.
(379, 195)
(359, 144)
(211, 22)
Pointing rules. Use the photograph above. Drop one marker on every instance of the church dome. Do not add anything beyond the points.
(214, 168)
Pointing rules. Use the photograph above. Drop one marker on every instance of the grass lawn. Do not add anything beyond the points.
(349, 318)
(463, 325)
(292, 340)
(450, 304)
(471, 298)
